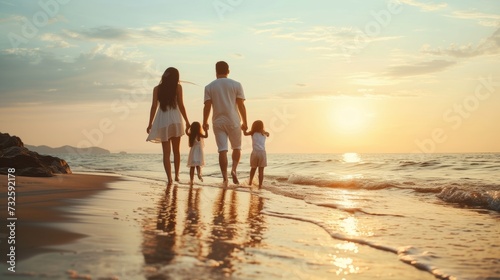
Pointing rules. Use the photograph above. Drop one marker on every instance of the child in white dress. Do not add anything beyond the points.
(258, 158)
(196, 158)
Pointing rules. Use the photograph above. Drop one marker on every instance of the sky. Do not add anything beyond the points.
(325, 76)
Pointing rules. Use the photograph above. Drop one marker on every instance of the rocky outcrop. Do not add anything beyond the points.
(7, 141)
(13, 154)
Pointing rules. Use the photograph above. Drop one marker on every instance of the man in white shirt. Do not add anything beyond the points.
(229, 118)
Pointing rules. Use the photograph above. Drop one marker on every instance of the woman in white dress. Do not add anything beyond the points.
(167, 111)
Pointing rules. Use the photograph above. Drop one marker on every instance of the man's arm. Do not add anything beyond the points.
(206, 113)
(243, 112)
(206, 134)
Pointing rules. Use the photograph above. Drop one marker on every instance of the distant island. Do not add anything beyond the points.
(67, 150)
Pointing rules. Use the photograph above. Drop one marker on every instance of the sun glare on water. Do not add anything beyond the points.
(351, 157)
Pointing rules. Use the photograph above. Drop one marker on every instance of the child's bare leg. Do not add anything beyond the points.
(261, 176)
(198, 169)
(191, 175)
(252, 173)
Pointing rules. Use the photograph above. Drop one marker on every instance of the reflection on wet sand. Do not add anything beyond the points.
(224, 231)
(191, 235)
(160, 249)
(255, 221)
(214, 230)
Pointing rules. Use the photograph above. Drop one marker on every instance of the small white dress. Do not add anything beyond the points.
(167, 124)
(196, 157)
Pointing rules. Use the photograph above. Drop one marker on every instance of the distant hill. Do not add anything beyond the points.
(46, 150)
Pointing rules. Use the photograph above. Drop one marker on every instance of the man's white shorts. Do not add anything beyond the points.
(223, 132)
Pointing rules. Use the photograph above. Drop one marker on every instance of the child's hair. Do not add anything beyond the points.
(195, 133)
(257, 126)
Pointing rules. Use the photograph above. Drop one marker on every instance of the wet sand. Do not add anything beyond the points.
(108, 227)
(37, 206)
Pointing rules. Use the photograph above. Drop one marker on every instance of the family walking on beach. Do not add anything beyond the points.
(225, 96)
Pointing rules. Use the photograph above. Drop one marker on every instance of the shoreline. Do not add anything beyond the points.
(119, 227)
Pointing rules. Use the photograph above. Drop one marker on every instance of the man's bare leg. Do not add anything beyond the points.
(236, 160)
(223, 165)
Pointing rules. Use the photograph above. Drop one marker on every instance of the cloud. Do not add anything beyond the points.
(488, 46)
(103, 32)
(484, 19)
(163, 33)
(428, 7)
(238, 55)
(326, 95)
(33, 76)
(280, 22)
(332, 40)
(420, 68)
(7, 3)
(12, 18)
(55, 41)
(367, 79)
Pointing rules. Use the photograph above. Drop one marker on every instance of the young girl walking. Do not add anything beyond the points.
(196, 158)
(258, 158)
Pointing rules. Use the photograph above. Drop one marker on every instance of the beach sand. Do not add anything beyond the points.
(82, 226)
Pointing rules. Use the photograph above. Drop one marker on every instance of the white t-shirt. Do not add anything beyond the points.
(223, 93)
(258, 142)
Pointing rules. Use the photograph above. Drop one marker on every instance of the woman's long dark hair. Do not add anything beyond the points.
(167, 89)
(195, 133)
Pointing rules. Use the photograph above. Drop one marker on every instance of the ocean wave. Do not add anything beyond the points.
(489, 199)
(419, 163)
(422, 260)
(341, 184)
(468, 194)
(427, 189)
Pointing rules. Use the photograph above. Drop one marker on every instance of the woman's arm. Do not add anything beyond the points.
(154, 107)
(180, 103)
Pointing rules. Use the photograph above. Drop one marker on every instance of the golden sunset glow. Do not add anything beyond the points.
(374, 80)
(349, 120)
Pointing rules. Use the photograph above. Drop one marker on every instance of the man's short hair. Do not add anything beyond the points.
(221, 68)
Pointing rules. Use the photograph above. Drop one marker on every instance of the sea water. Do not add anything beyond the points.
(439, 212)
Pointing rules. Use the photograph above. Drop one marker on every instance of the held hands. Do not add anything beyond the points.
(244, 127)
(206, 126)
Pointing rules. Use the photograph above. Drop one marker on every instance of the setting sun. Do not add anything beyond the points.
(349, 119)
